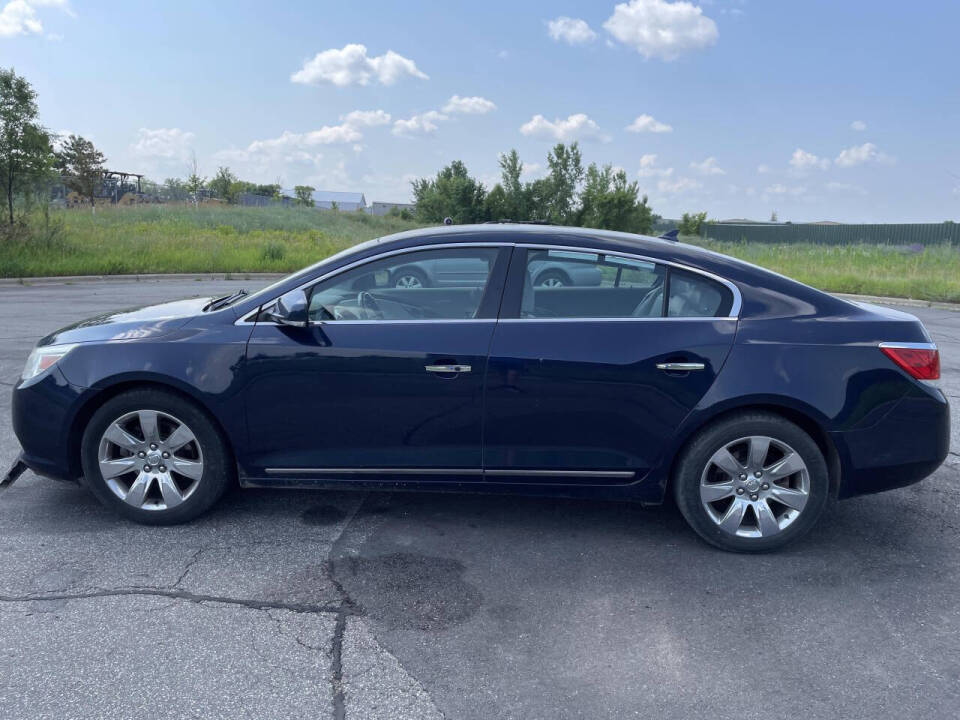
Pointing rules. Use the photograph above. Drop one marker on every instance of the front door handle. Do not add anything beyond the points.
(447, 368)
(680, 366)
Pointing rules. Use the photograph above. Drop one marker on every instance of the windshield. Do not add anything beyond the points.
(262, 295)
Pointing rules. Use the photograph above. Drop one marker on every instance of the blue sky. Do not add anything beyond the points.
(846, 110)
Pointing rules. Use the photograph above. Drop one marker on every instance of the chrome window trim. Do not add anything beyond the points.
(734, 313)
(710, 318)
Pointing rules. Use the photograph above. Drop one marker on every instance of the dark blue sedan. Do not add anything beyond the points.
(749, 397)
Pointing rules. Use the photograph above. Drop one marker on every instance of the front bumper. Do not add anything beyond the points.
(43, 412)
(904, 447)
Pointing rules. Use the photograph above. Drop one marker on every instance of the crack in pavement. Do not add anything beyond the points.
(249, 603)
(346, 605)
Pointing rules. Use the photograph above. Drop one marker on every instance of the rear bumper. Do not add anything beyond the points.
(903, 448)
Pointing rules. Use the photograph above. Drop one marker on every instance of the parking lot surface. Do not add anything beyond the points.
(391, 605)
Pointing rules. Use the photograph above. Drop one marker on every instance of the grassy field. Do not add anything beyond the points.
(931, 274)
(163, 239)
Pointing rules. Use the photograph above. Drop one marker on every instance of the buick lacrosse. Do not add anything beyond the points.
(500, 358)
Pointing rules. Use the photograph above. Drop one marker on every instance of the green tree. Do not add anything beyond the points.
(223, 184)
(194, 183)
(516, 194)
(81, 166)
(608, 201)
(25, 151)
(453, 193)
(558, 192)
(304, 195)
(692, 223)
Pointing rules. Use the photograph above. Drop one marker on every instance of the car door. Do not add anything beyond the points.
(587, 384)
(384, 380)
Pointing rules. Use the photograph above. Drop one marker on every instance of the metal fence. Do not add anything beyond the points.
(916, 234)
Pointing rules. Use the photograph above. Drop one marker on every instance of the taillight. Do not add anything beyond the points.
(920, 360)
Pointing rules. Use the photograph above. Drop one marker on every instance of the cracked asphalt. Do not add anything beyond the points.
(388, 605)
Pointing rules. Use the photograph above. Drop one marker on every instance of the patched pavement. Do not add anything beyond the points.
(393, 605)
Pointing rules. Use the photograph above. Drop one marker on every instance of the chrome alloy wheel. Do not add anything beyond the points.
(150, 460)
(553, 282)
(755, 487)
(408, 281)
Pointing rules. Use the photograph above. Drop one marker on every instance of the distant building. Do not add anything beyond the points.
(378, 207)
(324, 199)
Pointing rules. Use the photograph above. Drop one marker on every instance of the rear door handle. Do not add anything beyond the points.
(448, 368)
(680, 366)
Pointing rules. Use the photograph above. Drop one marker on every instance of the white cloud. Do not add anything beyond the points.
(532, 171)
(162, 143)
(858, 125)
(366, 118)
(572, 31)
(352, 66)
(708, 167)
(680, 185)
(860, 154)
(803, 160)
(301, 147)
(469, 105)
(575, 127)
(423, 124)
(661, 29)
(781, 189)
(648, 167)
(763, 169)
(19, 17)
(647, 123)
(840, 187)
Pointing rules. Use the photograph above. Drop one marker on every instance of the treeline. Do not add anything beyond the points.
(596, 197)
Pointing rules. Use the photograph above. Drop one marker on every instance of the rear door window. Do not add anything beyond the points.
(586, 284)
(574, 284)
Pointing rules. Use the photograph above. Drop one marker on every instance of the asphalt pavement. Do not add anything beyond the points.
(393, 605)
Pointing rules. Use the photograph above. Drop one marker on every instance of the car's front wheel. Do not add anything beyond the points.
(154, 457)
(751, 483)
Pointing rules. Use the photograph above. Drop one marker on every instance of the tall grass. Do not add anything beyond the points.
(930, 273)
(165, 239)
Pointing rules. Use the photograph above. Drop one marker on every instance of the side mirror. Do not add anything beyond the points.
(289, 309)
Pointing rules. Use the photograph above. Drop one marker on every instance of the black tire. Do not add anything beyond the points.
(409, 272)
(554, 275)
(698, 452)
(218, 471)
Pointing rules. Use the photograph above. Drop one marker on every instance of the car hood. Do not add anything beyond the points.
(150, 321)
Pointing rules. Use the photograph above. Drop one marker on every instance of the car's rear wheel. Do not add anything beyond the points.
(409, 278)
(155, 457)
(751, 483)
(552, 279)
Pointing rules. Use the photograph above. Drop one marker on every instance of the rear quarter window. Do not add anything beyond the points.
(693, 295)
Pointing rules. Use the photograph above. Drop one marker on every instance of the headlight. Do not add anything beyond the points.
(43, 358)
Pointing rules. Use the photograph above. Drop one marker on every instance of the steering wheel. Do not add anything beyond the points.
(368, 303)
